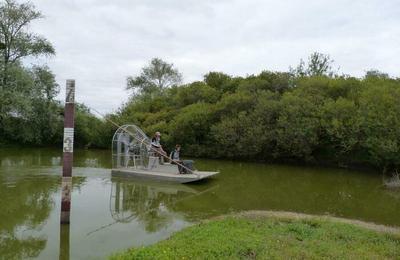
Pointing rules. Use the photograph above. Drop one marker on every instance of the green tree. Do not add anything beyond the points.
(91, 131)
(218, 80)
(318, 64)
(340, 120)
(195, 92)
(298, 127)
(17, 41)
(45, 83)
(29, 112)
(238, 137)
(154, 78)
(191, 127)
(376, 74)
(19, 91)
(380, 121)
(276, 81)
(46, 112)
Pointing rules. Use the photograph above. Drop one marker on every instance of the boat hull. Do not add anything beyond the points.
(159, 175)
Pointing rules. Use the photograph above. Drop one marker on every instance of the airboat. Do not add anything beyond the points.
(134, 156)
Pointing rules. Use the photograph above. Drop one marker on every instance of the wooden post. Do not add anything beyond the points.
(68, 148)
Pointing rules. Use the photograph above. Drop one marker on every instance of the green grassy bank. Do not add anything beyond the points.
(255, 236)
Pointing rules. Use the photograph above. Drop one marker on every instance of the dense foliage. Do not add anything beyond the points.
(278, 116)
(30, 114)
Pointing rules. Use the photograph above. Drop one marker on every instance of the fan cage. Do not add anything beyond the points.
(130, 147)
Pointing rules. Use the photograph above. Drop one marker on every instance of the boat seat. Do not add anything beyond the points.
(153, 162)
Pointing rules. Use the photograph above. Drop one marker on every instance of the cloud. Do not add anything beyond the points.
(99, 43)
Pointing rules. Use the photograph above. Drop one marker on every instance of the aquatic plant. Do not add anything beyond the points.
(393, 181)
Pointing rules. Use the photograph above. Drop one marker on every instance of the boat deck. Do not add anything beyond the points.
(166, 172)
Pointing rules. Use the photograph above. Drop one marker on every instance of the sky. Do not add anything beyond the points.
(101, 42)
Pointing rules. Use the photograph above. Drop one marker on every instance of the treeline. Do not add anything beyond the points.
(30, 114)
(309, 114)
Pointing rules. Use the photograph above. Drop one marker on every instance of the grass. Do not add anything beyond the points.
(261, 237)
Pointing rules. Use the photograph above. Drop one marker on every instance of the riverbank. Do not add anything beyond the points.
(283, 235)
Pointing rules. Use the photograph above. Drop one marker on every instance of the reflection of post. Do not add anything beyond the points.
(64, 242)
(68, 148)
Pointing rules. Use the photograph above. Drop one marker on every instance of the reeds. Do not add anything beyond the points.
(394, 181)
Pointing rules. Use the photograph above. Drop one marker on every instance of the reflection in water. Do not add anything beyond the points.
(31, 157)
(27, 199)
(148, 203)
(64, 241)
(26, 205)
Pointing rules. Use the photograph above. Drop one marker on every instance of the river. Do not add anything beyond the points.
(111, 214)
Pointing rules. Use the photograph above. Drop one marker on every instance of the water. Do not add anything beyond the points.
(112, 214)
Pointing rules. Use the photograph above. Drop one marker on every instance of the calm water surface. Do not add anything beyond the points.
(112, 214)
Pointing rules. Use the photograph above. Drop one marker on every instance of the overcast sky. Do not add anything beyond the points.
(100, 42)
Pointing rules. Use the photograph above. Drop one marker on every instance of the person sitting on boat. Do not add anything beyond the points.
(175, 159)
(155, 144)
(174, 155)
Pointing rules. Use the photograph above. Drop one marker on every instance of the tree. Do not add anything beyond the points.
(217, 80)
(154, 78)
(297, 127)
(29, 112)
(16, 41)
(45, 115)
(195, 92)
(376, 74)
(192, 127)
(318, 64)
(45, 83)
